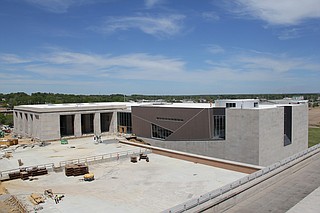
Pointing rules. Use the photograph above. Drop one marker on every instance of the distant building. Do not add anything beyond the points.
(241, 130)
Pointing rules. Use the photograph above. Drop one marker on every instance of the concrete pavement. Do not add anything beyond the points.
(286, 192)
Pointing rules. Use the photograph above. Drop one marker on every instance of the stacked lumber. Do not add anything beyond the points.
(76, 169)
(24, 173)
(35, 171)
(14, 175)
(36, 198)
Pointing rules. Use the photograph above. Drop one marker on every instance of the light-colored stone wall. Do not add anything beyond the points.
(46, 126)
(50, 126)
(243, 135)
(271, 134)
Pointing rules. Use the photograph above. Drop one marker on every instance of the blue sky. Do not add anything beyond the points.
(160, 46)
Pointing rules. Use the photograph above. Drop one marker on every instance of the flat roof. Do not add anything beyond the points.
(127, 105)
(181, 105)
(76, 106)
(119, 186)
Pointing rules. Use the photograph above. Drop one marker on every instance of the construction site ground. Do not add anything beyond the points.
(314, 117)
(119, 185)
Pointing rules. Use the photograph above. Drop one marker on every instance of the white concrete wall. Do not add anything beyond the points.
(47, 126)
(271, 133)
(50, 126)
(243, 135)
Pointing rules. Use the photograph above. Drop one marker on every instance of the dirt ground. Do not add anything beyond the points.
(314, 117)
(6, 202)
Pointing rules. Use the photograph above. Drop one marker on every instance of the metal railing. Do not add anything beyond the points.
(280, 165)
(4, 175)
(105, 157)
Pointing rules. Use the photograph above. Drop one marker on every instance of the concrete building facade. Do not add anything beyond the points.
(240, 130)
(54, 121)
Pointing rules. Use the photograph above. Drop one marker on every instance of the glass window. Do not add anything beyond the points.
(287, 118)
(124, 122)
(159, 132)
(228, 105)
(219, 127)
(170, 119)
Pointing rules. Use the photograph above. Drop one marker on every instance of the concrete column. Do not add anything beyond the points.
(20, 122)
(15, 122)
(31, 125)
(96, 123)
(77, 125)
(114, 123)
(25, 124)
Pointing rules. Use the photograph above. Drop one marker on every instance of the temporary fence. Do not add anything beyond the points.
(4, 175)
(220, 192)
(105, 157)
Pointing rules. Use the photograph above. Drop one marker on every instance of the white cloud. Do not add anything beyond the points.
(152, 3)
(12, 59)
(234, 70)
(215, 49)
(279, 12)
(161, 27)
(290, 34)
(57, 6)
(131, 66)
(210, 16)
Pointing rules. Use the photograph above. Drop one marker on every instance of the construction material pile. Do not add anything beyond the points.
(25, 173)
(36, 198)
(76, 169)
(9, 142)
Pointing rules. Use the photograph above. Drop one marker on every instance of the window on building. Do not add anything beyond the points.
(124, 122)
(170, 119)
(228, 105)
(160, 132)
(87, 123)
(219, 127)
(287, 118)
(66, 125)
(255, 104)
(105, 121)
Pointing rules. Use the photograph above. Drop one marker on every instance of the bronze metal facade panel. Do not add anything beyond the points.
(185, 123)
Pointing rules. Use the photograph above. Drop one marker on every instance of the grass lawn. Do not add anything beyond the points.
(314, 136)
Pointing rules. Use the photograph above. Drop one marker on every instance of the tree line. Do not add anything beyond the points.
(20, 98)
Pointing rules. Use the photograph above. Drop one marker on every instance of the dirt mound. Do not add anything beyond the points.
(314, 117)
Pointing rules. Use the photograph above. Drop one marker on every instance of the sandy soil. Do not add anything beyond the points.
(314, 117)
(6, 202)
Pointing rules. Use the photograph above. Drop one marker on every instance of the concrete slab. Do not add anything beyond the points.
(121, 186)
(56, 152)
(309, 204)
(286, 192)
